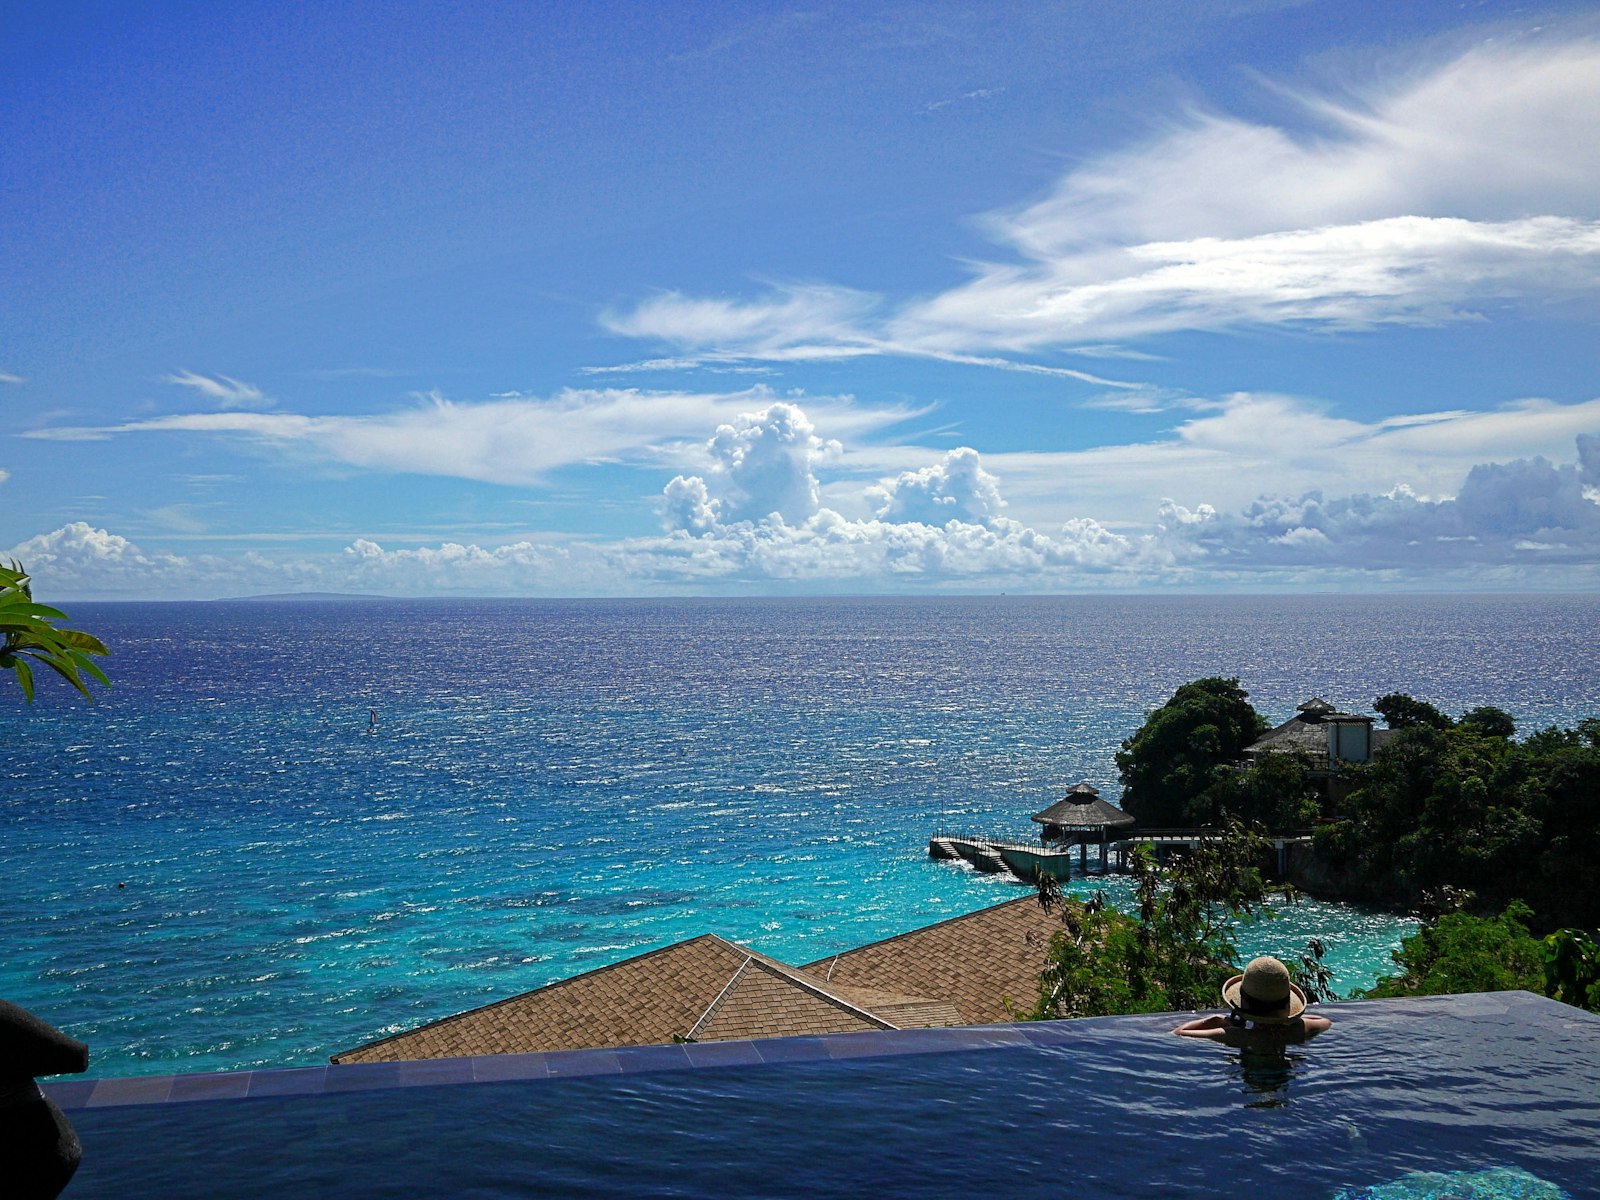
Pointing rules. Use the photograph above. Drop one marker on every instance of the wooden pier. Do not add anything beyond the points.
(1021, 859)
(1162, 840)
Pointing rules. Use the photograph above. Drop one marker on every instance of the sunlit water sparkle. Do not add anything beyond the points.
(220, 865)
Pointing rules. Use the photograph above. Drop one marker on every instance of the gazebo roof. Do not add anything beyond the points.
(1082, 808)
(1316, 707)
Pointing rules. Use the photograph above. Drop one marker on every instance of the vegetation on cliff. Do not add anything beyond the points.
(1464, 805)
(1495, 841)
(1184, 750)
(1174, 953)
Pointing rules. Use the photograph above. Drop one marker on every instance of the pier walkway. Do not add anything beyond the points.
(994, 855)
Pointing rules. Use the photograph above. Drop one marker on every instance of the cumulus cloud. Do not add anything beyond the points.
(944, 521)
(756, 515)
(452, 567)
(754, 518)
(1418, 200)
(761, 464)
(80, 558)
(1250, 444)
(955, 489)
(1504, 514)
(228, 393)
(1589, 459)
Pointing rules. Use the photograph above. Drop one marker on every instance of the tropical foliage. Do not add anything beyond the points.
(1572, 968)
(1174, 953)
(32, 638)
(1465, 805)
(1274, 791)
(1462, 953)
(1184, 749)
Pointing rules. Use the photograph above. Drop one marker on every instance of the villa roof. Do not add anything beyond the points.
(1307, 732)
(1082, 808)
(975, 962)
(707, 989)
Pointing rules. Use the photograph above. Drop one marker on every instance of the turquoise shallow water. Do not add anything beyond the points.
(221, 865)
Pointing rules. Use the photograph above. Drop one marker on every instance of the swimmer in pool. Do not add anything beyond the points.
(1265, 1008)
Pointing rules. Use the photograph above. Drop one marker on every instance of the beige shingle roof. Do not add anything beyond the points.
(957, 972)
(974, 963)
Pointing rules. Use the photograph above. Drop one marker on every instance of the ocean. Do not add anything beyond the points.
(224, 863)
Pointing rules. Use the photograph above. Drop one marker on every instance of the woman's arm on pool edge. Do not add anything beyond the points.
(1214, 1027)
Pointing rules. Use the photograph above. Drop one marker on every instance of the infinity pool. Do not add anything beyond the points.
(1464, 1096)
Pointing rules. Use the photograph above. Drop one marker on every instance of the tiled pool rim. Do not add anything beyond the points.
(73, 1094)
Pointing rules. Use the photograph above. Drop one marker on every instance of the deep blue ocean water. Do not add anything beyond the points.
(220, 864)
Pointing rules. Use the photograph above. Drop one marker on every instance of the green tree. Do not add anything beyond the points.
(1572, 968)
(1490, 721)
(1400, 711)
(1470, 808)
(1274, 791)
(31, 637)
(1464, 953)
(1185, 747)
(1175, 953)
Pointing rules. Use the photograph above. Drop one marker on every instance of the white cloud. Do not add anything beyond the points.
(228, 393)
(453, 568)
(796, 321)
(1408, 270)
(1251, 444)
(754, 521)
(515, 441)
(1418, 201)
(8, 377)
(766, 463)
(757, 516)
(1501, 514)
(80, 558)
(955, 489)
(761, 464)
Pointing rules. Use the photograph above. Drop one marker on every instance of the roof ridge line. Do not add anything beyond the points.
(721, 996)
(807, 983)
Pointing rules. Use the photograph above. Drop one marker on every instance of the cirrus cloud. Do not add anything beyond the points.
(515, 440)
(1420, 200)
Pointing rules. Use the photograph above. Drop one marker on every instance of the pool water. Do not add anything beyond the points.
(1466, 1096)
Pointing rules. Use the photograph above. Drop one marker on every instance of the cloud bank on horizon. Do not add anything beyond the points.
(756, 515)
(1454, 195)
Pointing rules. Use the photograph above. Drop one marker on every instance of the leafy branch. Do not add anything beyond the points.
(31, 637)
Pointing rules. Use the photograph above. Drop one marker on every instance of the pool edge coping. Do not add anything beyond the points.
(283, 1082)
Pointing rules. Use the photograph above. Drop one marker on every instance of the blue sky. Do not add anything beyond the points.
(756, 299)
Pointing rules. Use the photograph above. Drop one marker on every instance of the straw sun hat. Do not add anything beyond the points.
(1264, 994)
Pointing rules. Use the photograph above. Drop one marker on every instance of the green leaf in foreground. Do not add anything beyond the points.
(30, 636)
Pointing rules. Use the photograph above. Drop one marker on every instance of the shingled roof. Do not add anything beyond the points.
(976, 962)
(957, 972)
(705, 989)
(1307, 733)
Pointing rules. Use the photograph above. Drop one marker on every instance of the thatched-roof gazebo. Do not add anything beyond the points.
(1079, 814)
